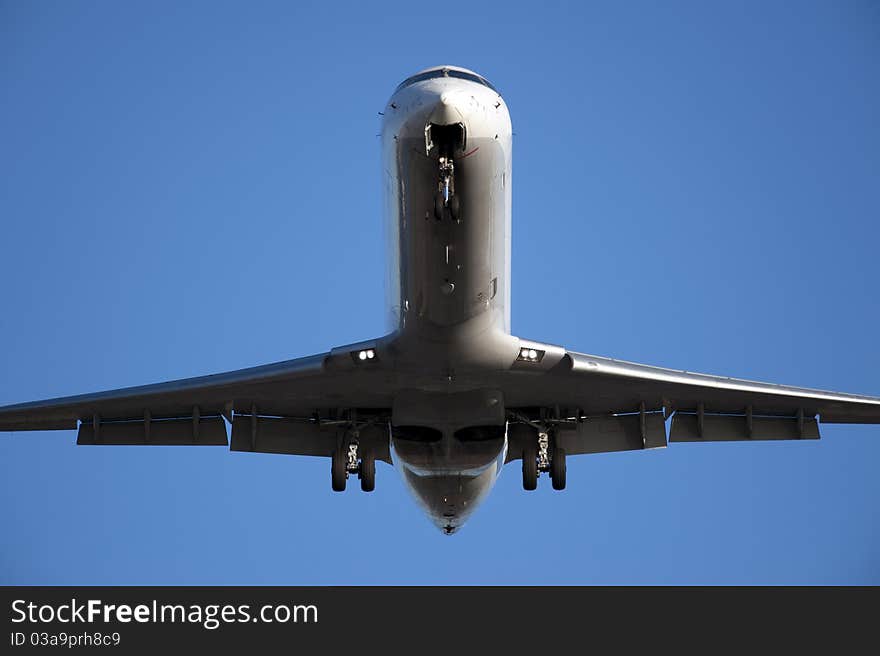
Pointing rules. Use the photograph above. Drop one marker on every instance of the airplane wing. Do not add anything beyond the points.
(600, 404)
(296, 406)
(306, 406)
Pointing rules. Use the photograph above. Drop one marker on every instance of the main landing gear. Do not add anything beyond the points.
(540, 456)
(349, 460)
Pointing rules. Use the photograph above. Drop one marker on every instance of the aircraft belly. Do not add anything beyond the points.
(446, 166)
(450, 273)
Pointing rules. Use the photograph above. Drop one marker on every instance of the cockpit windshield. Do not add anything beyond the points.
(445, 72)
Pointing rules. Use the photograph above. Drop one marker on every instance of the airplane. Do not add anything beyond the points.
(448, 395)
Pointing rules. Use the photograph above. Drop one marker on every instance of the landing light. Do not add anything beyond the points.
(364, 355)
(530, 355)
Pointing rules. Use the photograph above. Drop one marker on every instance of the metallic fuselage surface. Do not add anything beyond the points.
(448, 276)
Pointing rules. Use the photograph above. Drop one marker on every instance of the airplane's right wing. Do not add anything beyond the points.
(296, 407)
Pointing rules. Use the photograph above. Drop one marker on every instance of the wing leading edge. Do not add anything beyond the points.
(203, 396)
(599, 404)
(296, 406)
(692, 393)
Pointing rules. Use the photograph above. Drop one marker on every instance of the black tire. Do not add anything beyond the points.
(439, 206)
(557, 469)
(530, 468)
(338, 473)
(455, 207)
(368, 472)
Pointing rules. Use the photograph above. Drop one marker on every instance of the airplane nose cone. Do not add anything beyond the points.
(449, 499)
(447, 98)
(447, 110)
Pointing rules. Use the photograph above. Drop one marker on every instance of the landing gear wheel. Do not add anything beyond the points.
(338, 473)
(367, 472)
(439, 206)
(557, 469)
(530, 468)
(455, 207)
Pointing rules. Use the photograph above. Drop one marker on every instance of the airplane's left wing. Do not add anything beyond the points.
(685, 391)
(296, 406)
(601, 404)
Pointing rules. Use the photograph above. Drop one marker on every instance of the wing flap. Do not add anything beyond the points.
(196, 431)
(631, 432)
(688, 427)
(281, 435)
(615, 433)
(285, 435)
(868, 415)
(37, 424)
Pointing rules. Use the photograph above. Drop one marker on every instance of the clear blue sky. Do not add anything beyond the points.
(188, 188)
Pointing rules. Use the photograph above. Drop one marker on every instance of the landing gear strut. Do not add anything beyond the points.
(447, 170)
(446, 198)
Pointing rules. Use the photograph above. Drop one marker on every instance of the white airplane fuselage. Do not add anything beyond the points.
(446, 170)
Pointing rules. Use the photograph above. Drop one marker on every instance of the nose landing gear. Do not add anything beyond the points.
(446, 198)
(445, 141)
